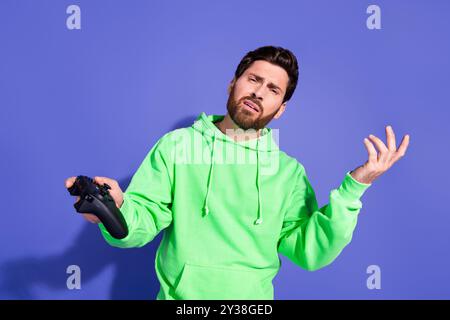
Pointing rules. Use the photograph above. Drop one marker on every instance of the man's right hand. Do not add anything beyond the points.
(115, 192)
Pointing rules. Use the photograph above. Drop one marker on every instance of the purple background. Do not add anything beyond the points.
(94, 101)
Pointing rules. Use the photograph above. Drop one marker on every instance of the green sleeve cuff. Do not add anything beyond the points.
(351, 188)
(104, 231)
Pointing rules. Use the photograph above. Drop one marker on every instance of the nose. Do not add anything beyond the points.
(257, 94)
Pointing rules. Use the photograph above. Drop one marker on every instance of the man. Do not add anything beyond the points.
(226, 218)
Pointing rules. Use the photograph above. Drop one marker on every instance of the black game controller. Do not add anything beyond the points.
(96, 199)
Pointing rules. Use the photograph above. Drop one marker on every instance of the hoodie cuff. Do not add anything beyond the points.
(352, 189)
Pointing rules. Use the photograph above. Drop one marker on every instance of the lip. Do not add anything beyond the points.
(252, 105)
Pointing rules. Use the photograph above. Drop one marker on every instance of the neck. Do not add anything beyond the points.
(229, 127)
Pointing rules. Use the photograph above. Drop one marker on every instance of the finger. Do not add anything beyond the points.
(91, 218)
(95, 220)
(70, 181)
(403, 147)
(382, 149)
(102, 180)
(390, 136)
(371, 151)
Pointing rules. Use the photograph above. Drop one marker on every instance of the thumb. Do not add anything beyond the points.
(70, 181)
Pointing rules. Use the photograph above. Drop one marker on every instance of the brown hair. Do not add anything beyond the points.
(275, 55)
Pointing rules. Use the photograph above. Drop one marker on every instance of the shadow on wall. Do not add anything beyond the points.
(134, 278)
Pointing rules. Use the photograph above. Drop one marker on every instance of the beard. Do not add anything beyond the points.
(245, 118)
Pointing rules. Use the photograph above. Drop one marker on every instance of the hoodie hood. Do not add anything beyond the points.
(264, 143)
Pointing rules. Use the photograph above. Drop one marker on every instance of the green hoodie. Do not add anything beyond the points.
(227, 220)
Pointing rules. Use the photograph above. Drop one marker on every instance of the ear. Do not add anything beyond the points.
(230, 86)
(280, 110)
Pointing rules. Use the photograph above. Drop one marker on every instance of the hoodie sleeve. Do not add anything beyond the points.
(147, 201)
(311, 237)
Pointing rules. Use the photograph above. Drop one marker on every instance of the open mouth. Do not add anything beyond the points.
(251, 106)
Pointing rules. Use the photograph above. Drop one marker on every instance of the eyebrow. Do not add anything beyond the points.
(270, 85)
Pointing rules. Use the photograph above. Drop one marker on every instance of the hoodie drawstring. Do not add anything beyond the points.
(259, 220)
(206, 209)
(210, 176)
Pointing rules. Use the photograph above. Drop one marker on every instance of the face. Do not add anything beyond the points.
(256, 97)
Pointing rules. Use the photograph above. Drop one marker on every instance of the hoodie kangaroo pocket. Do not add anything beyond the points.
(218, 283)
